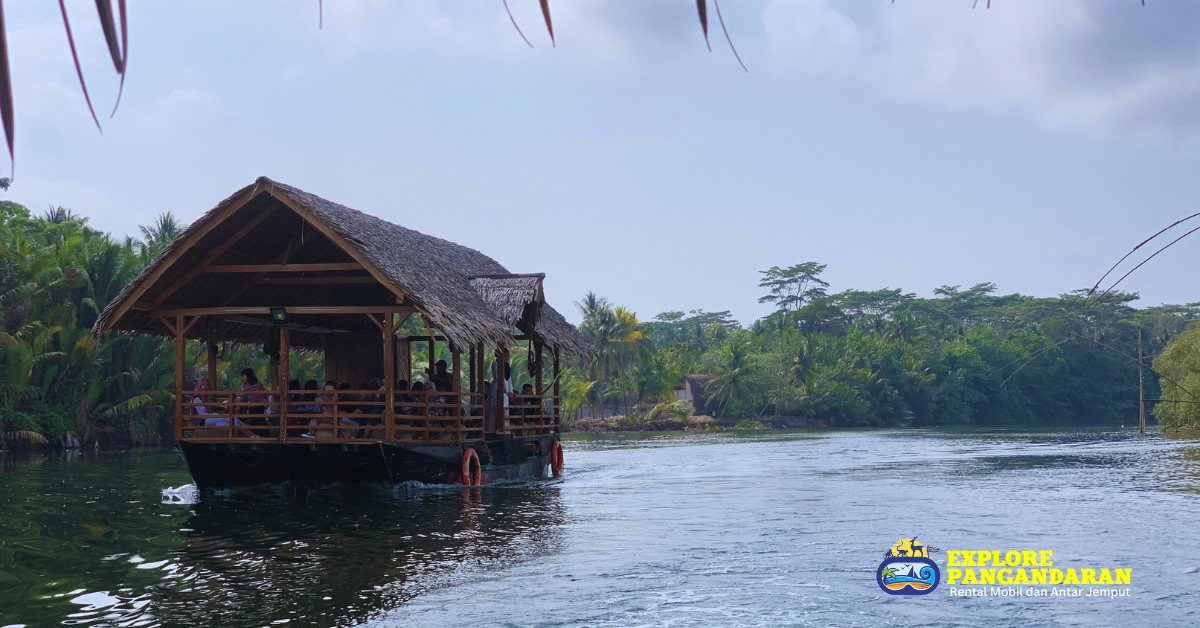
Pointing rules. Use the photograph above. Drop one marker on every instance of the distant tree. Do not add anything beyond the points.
(61, 215)
(794, 287)
(155, 237)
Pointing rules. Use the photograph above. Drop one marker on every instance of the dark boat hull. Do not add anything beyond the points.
(305, 466)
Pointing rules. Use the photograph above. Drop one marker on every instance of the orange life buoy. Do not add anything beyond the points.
(556, 458)
(472, 474)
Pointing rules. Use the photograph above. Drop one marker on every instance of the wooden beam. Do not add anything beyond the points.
(285, 375)
(425, 338)
(480, 373)
(389, 378)
(211, 257)
(306, 309)
(189, 325)
(166, 322)
(180, 345)
(557, 397)
(537, 376)
(212, 363)
(473, 385)
(341, 242)
(314, 280)
(282, 258)
(162, 264)
(349, 309)
(278, 268)
(377, 323)
(432, 349)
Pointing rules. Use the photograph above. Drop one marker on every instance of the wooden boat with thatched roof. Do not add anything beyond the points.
(279, 267)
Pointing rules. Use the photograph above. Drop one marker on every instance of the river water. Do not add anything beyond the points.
(713, 530)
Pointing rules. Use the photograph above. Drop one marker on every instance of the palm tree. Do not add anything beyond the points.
(734, 384)
(616, 333)
(155, 237)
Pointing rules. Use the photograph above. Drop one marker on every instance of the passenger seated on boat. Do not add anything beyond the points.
(200, 411)
(527, 389)
(401, 396)
(255, 403)
(372, 412)
(328, 411)
(208, 414)
(293, 399)
(431, 387)
(302, 404)
(308, 399)
(345, 409)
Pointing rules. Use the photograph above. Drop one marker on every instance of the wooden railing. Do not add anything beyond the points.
(533, 415)
(227, 415)
(437, 416)
(359, 416)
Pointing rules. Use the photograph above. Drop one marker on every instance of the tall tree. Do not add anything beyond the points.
(794, 287)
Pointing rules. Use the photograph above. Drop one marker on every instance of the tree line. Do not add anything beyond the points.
(965, 356)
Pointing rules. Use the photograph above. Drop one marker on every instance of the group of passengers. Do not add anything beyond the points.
(315, 407)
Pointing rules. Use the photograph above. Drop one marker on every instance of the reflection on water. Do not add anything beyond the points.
(91, 541)
(715, 530)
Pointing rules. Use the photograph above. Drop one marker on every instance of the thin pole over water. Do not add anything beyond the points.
(1141, 390)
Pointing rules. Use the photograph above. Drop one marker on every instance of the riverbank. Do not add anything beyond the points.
(699, 422)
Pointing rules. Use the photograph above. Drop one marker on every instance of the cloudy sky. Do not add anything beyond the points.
(906, 145)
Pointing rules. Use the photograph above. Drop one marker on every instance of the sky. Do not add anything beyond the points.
(907, 145)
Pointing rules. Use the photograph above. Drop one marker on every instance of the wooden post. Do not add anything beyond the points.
(537, 384)
(284, 377)
(456, 387)
(557, 400)
(212, 364)
(389, 376)
(180, 345)
(504, 423)
(1141, 390)
(480, 371)
(432, 351)
(473, 385)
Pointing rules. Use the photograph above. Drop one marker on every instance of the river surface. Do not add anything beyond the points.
(713, 530)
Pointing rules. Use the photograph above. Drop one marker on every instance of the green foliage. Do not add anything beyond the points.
(794, 287)
(1179, 364)
(887, 358)
(56, 276)
(51, 421)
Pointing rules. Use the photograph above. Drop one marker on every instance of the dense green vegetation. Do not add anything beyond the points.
(880, 357)
(56, 275)
(1179, 366)
(885, 357)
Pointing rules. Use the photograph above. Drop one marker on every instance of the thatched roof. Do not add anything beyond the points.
(515, 298)
(430, 274)
(521, 303)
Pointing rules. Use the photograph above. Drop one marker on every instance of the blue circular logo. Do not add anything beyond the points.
(908, 575)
